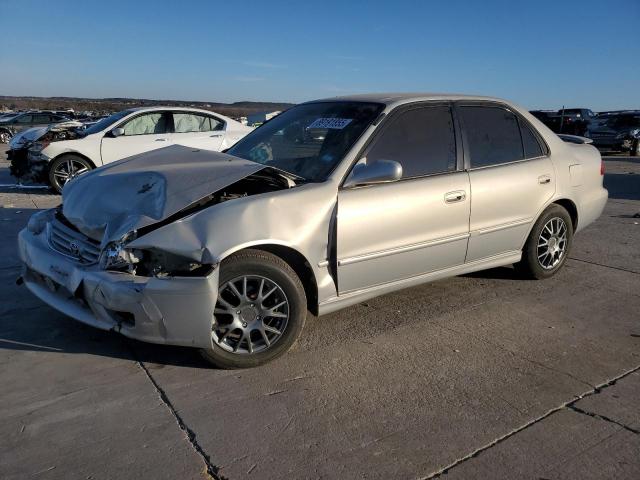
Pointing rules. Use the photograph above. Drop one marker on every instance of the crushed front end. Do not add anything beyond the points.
(105, 288)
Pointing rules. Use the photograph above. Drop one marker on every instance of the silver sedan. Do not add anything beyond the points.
(331, 203)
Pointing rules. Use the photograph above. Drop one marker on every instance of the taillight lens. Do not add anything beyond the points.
(601, 167)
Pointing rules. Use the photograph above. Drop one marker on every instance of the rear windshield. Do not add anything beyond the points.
(308, 140)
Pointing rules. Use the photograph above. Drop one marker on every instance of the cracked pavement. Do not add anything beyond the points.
(479, 376)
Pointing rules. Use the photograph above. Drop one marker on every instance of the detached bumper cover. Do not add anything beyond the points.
(173, 311)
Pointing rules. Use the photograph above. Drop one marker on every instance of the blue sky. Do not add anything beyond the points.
(541, 54)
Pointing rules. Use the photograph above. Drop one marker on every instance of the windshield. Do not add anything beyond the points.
(105, 122)
(308, 140)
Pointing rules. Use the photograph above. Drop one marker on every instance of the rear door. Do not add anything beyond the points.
(393, 231)
(512, 178)
(197, 130)
(142, 133)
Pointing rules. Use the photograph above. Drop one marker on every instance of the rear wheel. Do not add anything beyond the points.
(548, 244)
(66, 168)
(260, 311)
(635, 150)
(5, 136)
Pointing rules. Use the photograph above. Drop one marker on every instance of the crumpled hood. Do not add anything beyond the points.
(138, 191)
(29, 135)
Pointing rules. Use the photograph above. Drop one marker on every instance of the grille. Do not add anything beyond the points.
(72, 244)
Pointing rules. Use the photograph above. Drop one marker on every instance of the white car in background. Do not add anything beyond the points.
(131, 132)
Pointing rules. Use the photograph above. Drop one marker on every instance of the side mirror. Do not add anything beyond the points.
(380, 171)
(117, 132)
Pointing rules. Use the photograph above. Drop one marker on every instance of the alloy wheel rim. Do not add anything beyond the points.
(251, 315)
(552, 243)
(68, 170)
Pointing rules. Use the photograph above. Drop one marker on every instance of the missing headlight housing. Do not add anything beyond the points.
(162, 264)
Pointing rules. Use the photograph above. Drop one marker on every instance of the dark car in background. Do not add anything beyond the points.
(13, 124)
(572, 121)
(618, 133)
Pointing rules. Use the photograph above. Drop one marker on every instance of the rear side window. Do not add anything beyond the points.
(422, 140)
(190, 122)
(532, 148)
(493, 135)
(41, 118)
(23, 119)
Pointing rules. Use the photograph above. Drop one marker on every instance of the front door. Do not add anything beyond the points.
(142, 133)
(419, 224)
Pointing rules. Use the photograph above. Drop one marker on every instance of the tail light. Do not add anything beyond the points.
(601, 167)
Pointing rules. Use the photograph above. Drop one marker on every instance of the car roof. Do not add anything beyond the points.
(393, 99)
(166, 107)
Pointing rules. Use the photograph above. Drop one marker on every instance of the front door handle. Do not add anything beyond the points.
(161, 139)
(544, 179)
(455, 196)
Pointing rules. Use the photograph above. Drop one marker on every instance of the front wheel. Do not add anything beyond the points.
(548, 244)
(5, 136)
(65, 168)
(635, 150)
(260, 311)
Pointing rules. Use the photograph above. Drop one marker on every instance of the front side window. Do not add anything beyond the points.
(308, 140)
(422, 140)
(146, 124)
(190, 122)
(492, 134)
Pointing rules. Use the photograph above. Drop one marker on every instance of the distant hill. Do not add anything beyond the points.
(108, 105)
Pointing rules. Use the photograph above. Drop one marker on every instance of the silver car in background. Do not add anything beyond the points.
(331, 203)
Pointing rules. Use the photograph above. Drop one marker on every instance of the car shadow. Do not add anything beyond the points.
(623, 186)
(498, 273)
(74, 338)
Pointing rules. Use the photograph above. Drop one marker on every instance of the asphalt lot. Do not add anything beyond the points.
(480, 376)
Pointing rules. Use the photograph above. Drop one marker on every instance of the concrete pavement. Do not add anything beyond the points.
(479, 376)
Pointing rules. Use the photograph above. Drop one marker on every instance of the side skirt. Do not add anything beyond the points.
(351, 298)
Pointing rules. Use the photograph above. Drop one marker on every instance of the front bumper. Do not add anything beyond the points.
(37, 156)
(174, 311)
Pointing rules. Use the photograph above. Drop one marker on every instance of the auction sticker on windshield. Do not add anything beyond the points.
(333, 123)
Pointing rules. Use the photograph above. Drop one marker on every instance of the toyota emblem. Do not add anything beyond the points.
(74, 248)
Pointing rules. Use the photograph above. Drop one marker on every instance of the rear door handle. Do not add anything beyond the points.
(543, 179)
(455, 196)
(216, 135)
(161, 139)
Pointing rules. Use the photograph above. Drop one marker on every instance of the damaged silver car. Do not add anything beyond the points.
(331, 203)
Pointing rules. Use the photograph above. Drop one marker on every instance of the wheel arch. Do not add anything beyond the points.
(77, 154)
(571, 208)
(565, 203)
(297, 261)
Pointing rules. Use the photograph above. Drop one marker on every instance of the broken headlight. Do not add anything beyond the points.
(116, 256)
(38, 221)
(158, 263)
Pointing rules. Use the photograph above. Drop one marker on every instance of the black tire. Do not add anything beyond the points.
(635, 149)
(530, 266)
(258, 263)
(58, 169)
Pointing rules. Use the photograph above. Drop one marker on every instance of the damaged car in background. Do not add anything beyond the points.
(61, 155)
(20, 144)
(331, 203)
